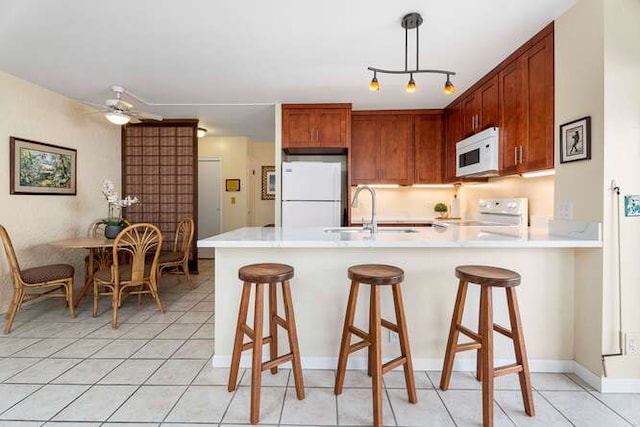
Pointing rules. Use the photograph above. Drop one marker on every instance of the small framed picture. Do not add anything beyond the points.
(268, 182)
(575, 140)
(39, 168)
(632, 205)
(232, 185)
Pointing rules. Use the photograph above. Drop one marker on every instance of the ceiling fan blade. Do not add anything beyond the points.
(119, 104)
(143, 115)
(134, 120)
(93, 104)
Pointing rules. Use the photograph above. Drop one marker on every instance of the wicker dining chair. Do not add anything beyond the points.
(140, 243)
(177, 260)
(57, 279)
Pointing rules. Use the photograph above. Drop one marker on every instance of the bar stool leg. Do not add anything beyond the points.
(376, 351)
(479, 351)
(371, 321)
(256, 363)
(273, 326)
(521, 352)
(346, 337)
(404, 343)
(293, 340)
(452, 342)
(486, 333)
(239, 339)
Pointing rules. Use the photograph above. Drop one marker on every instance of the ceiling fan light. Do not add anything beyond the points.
(411, 86)
(202, 132)
(449, 87)
(374, 85)
(117, 118)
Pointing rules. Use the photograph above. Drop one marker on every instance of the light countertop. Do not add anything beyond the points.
(423, 237)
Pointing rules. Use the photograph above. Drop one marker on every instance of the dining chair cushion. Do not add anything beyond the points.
(170, 257)
(46, 273)
(104, 274)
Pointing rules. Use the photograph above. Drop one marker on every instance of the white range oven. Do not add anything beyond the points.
(499, 212)
(479, 154)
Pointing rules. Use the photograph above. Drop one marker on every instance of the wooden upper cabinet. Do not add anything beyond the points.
(428, 148)
(395, 151)
(480, 108)
(526, 95)
(297, 128)
(382, 149)
(365, 138)
(512, 126)
(316, 126)
(453, 134)
(538, 153)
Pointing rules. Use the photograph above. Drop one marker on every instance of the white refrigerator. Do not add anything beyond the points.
(311, 193)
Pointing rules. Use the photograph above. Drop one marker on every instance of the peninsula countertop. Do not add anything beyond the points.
(450, 236)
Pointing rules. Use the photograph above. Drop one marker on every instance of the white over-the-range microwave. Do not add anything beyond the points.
(479, 154)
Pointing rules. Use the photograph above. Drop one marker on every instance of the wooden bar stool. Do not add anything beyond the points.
(376, 275)
(488, 278)
(262, 274)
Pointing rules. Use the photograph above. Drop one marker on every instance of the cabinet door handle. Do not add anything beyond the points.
(521, 150)
(317, 135)
(515, 155)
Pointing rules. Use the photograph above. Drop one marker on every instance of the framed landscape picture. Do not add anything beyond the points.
(38, 168)
(575, 140)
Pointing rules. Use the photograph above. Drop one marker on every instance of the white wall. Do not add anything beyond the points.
(31, 112)
(234, 154)
(262, 211)
(579, 92)
(621, 160)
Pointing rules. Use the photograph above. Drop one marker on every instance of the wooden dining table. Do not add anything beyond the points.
(97, 254)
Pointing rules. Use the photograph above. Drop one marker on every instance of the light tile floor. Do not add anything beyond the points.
(155, 370)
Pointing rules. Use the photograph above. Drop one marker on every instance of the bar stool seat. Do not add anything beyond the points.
(376, 275)
(261, 274)
(488, 277)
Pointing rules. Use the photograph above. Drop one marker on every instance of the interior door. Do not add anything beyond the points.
(209, 208)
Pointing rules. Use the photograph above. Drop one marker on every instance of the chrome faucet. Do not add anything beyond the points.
(373, 225)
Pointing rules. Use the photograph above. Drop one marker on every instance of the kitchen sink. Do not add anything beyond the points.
(362, 230)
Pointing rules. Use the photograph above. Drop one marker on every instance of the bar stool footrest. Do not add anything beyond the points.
(391, 326)
(249, 345)
(359, 332)
(469, 333)
(513, 368)
(468, 346)
(280, 321)
(392, 364)
(502, 330)
(277, 361)
(358, 346)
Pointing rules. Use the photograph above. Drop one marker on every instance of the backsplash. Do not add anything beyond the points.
(401, 202)
(410, 203)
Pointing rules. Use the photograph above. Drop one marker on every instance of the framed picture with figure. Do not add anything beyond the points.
(575, 140)
(268, 182)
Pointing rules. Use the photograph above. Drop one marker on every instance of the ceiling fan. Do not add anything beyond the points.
(119, 111)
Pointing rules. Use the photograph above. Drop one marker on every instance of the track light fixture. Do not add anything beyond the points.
(409, 22)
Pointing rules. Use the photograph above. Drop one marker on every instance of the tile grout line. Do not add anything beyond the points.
(226, 410)
(554, 407)
(441, 399)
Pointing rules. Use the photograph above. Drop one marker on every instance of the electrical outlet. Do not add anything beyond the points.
(565, 210)
(633, 344)
(393, 336)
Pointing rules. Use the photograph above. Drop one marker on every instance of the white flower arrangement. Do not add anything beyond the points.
(115, 203)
